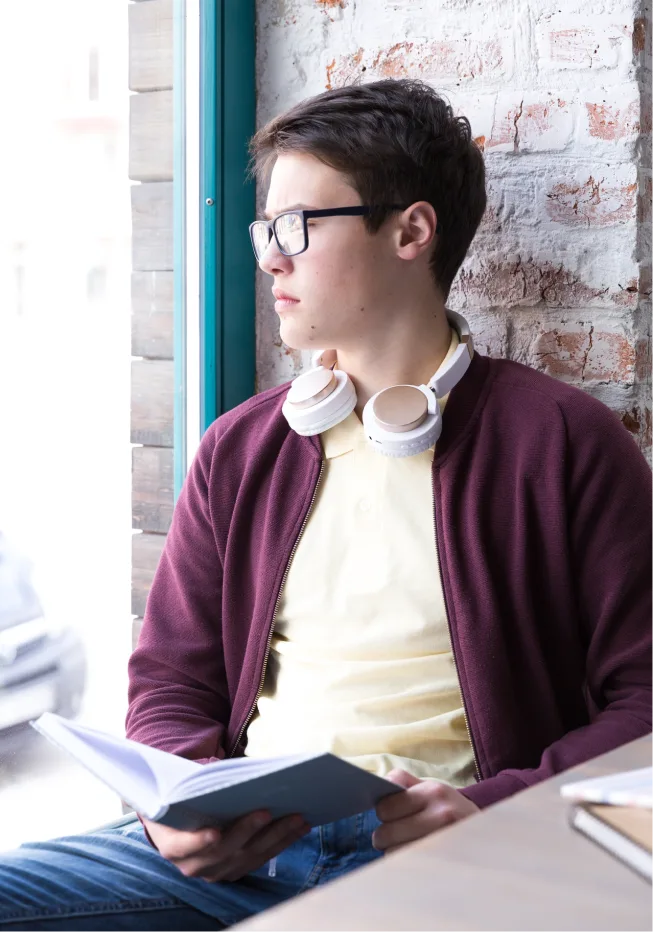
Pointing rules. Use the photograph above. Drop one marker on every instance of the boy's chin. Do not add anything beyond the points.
(296, 338)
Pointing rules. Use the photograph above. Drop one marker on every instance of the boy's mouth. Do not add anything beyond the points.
(283, 299)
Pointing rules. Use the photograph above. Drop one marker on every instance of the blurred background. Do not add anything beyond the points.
(65, 471)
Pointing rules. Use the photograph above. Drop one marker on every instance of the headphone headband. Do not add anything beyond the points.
(393, 430)
(452, 372)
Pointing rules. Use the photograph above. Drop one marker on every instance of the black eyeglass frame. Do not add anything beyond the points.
(306, 215)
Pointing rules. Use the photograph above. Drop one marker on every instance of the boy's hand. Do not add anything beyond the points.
(426, 806)
(228, 855)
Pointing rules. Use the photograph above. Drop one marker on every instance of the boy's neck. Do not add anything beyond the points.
(408, 349)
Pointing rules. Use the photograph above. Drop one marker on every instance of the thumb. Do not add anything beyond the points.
(402, 778)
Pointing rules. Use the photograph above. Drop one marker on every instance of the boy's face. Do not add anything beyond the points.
(347, 278)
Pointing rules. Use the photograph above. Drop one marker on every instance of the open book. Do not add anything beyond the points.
(186, 795)
(629, 788)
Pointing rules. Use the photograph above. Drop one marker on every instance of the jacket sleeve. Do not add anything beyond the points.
(609, 537)
(178, 698)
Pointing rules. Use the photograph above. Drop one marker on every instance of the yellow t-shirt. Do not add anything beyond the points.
(360, 661)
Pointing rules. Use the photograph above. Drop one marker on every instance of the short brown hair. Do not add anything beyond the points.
(397, 142)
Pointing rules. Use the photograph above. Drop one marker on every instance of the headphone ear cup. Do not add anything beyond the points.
(312, 419)
(399, 443)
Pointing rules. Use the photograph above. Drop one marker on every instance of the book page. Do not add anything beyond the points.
(141, 775)
(630, 788)
(234, 770)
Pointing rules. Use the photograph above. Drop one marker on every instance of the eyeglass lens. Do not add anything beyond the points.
(289, 229)
(290, 233)
(261, 237)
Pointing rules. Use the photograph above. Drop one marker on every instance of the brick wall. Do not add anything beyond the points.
(152, 387)
(559, 276)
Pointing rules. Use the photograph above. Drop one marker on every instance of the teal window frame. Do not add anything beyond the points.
(227, 199)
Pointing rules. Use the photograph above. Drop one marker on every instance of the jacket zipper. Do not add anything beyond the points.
(453, 650)
(274, 614)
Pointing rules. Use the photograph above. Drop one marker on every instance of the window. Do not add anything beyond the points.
(96, 283)
(65, 470)
(88, 431)
(94, 73)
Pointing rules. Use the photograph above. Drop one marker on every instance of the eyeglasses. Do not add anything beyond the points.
(290, 229)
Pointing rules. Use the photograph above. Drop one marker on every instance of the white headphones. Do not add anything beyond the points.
(402, 420)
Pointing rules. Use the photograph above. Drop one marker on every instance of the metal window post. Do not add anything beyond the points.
(214, 202)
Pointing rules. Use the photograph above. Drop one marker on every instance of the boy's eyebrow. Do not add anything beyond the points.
(269, 216)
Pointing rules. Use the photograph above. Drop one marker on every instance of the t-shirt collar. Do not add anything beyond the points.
(344, 437)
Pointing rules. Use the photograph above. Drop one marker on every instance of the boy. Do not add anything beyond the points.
(466, 617)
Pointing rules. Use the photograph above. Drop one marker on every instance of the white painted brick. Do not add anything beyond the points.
(576, 41)
(531, 122)
(609, 120)
(479, 110)
(442, 62)
(550, 90)
(589, 196)
(511, 203)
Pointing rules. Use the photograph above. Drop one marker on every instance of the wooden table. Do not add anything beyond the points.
(515, 866)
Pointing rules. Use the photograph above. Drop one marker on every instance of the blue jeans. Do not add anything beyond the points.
(114, 879)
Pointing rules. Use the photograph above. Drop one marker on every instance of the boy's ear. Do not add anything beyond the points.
(415, 230)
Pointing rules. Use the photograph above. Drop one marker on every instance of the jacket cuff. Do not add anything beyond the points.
(493, 789)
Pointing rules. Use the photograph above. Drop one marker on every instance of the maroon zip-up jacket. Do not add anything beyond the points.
(543, 521)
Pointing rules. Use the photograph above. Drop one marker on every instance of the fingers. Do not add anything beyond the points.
(276, 833)
(398, 806)
(244, 848)
(402, 778)
(175, 845)
(419, 794)
(241, 832)
(392, 835)
(223, 848)
(252, 859)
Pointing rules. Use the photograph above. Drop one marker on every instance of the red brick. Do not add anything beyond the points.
(524, 283)
(592, 203)
(572, 45)
(531, 124)
(646, 115)
(611, 123)
(345, 70)
(541, 114)
(643, 359)
(646, 279)
(644, 196)
(503, 129)
(457, 58)
(645, 433)
(639, 34)
(627, 295)
(585, 355)
(630, 421)
(638, 421)
(585, 46)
